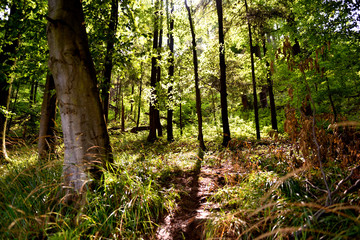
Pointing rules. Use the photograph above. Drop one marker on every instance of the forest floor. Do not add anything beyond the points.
(188, 219)
(197, 186)
(171, 191)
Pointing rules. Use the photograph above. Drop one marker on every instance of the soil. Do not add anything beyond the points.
(193, 209)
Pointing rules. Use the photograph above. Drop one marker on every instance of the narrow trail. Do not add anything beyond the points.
(193, 210)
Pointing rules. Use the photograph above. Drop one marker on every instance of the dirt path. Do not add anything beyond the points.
(193, 210)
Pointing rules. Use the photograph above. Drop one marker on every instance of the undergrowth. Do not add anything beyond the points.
(275, 193)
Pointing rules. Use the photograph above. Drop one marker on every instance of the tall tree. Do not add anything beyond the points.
(86, 138)
(196, 75)
(223, 91)
(158, 70)
(270, 90)
(47, 120)
(253, 76)
(170, 134)
(152, 112)
(111, 36)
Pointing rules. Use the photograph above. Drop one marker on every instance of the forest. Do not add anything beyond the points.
(180, 119)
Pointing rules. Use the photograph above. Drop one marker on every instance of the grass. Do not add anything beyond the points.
(268, 199)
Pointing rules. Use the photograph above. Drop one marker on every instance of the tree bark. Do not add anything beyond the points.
(47, 120)
(223, 91)
(170, 134)
(152, 111)
(196, 75)
(111, 35)
(270, 91)
(122, 108)
(158, 78)
(86, 140)
(139, 103)
(253, 79)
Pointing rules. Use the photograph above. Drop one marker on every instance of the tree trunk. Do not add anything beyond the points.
(180, 118)
(223, 92)
(122, 108)
(213, 104)
(139, 103)
(180, 109)
(197, 89)
(7, 56)
(270, 91)
(132, 99)
(47, 120)
(170, 134)
(4, 127)
(86, 140)
(12, 107)
(152, 111)
(263, 97)
(158, 80)
(253, 79)
(111, 35)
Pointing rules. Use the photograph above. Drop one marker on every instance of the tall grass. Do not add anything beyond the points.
(127, 205)
(266, 202)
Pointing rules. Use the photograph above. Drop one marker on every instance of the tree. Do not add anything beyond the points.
(152, 111)
(86, 140)
(111, 37)
(47, 120)
(170, 134)
(196, 76)
(223, 92)
(253, 78)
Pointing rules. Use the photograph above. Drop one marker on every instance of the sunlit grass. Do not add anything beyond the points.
(267, 200)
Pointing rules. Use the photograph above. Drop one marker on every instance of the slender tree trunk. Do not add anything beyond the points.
(7, 56)
(180, 118)
(253, 79)
(86, 140)
(213, 104)
(152, 111)
(271, 98)
(170, 134)
(180, 109)
(33, 91)
(158, 80)
(223, 92)
(3, 148)
(13, 104)
(122, 108)
(47, 120)
(271, 91)
(196, 74)
(132, 100)
(111, 36)
(139, 103)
